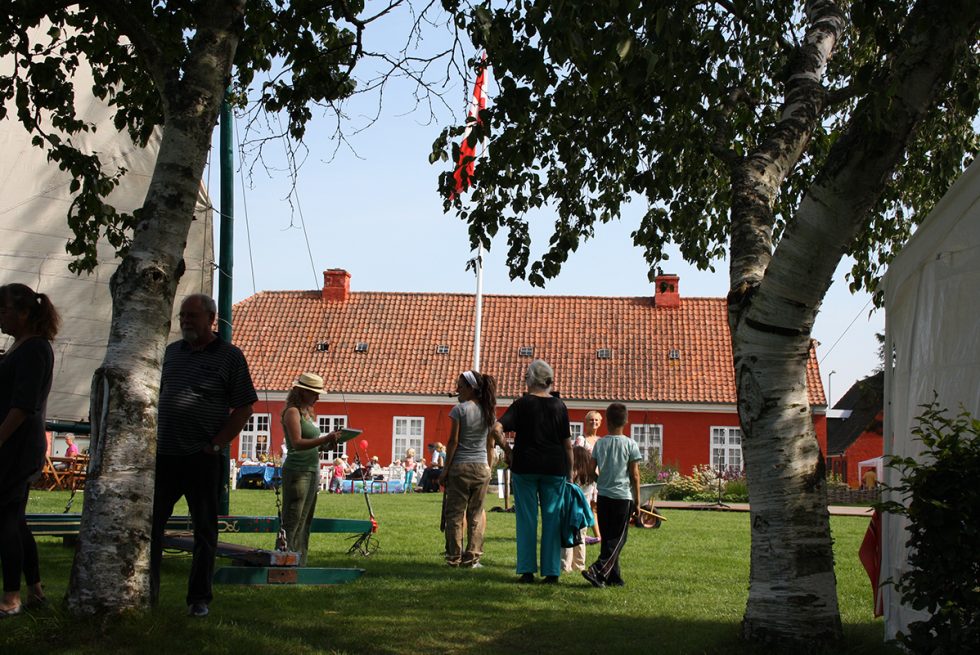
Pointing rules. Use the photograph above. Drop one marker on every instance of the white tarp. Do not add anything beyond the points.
(34, 201)
(876, 463)
(931, 292)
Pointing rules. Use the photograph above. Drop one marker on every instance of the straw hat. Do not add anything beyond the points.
(310, 382)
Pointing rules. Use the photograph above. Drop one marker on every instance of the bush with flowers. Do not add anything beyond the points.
(702, 485)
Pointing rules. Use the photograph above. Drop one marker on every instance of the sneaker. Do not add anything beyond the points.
(197, 610)
(472, 565)
(593, 579)
(592, 541)
(526, 578)
(550, 579)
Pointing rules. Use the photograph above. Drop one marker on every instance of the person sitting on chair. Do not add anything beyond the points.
(71, 452)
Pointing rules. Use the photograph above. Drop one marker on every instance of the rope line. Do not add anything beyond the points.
(849, 325)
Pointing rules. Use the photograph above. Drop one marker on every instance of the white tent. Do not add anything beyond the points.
(34, 201)
(876, 463)
(931, 291)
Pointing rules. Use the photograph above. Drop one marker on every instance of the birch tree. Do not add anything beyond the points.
(784, 135)
(161, 65)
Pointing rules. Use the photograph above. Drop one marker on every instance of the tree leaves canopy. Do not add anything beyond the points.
(304, 49)
(601, 104)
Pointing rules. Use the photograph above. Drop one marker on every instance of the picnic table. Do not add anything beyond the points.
(61, 473)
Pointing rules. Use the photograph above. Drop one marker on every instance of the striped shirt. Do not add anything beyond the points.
(198, 389)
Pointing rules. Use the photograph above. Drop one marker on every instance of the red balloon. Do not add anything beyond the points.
(364, 444)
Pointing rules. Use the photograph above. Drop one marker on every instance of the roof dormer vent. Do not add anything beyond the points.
(322, 347)
(361, 347)
(526, 351)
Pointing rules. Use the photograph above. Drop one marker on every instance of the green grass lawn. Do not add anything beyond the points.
(686, 589)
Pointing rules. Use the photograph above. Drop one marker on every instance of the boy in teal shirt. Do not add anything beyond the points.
(618, 458)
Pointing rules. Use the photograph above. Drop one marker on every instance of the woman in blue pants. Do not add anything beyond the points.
(540, 461)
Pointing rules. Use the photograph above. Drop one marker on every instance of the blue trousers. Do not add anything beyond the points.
(530, 490)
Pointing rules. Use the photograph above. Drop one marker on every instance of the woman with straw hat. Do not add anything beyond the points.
(301, 471)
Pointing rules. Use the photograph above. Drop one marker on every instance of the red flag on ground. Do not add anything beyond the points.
(870, 554)
(467, 152)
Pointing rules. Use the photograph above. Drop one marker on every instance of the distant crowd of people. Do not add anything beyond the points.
(206, 398)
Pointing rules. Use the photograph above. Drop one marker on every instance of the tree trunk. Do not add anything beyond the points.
(110, 573)
(792, 588)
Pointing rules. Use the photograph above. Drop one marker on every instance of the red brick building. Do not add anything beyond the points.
(390, 362)
(858, 435)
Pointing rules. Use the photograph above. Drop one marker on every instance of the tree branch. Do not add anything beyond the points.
(133, 24)
(761, 175)
(839, 201)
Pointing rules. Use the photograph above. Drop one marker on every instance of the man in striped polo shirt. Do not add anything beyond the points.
(206, 396)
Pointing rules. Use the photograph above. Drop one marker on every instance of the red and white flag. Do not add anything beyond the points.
(870, 555)
(467, 152)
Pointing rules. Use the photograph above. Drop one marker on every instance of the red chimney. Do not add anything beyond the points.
(666, 290)
(336, 284)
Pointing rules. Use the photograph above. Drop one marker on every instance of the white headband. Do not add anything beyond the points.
(471, 379)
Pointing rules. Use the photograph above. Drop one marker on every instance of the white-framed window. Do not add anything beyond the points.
(576, 429)
(254, 439)
(650, 439)
(726, 448)
(407, 432)
(327, 424)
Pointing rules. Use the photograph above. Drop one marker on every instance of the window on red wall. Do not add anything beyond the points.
(407, 432)
(650, 439)
(254, 439)
(576, 430)
(726, 448)
(328, 423)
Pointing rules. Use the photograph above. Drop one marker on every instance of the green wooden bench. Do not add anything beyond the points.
(260, 566)
(67, 525)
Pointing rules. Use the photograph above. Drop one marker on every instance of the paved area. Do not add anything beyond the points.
(835, 510)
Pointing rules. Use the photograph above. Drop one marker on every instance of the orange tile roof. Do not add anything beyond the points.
(278, 331)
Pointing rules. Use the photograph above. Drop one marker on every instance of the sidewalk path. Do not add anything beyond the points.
(835, 510)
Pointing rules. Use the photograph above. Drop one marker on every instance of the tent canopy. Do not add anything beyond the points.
(931, 328)
(34, 202)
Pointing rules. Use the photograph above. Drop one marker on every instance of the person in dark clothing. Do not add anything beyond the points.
(540, 460)
(206, 397)
(26, 370)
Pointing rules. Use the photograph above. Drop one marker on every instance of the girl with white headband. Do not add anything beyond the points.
(466, 474)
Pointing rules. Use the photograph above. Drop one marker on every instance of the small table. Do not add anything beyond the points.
(258, 475)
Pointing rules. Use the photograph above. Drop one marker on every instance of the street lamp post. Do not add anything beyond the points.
(830, 389)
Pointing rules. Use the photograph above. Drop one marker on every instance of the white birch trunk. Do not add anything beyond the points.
(110, 573)
(792, 589)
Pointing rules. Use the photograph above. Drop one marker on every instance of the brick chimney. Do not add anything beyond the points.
(666, 290)
(336, 284)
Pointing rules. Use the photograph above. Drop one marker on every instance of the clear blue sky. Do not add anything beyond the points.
(377, 214)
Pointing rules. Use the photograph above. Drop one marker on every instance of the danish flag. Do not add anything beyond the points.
(466, 165)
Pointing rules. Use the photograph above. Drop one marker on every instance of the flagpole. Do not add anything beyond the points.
(479, 308)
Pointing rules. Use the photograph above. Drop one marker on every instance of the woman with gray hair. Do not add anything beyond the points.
(540, 460)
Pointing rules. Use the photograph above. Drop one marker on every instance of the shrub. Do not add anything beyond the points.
(736, 491)
(653, 471)
(681, 487)
(941, 501)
